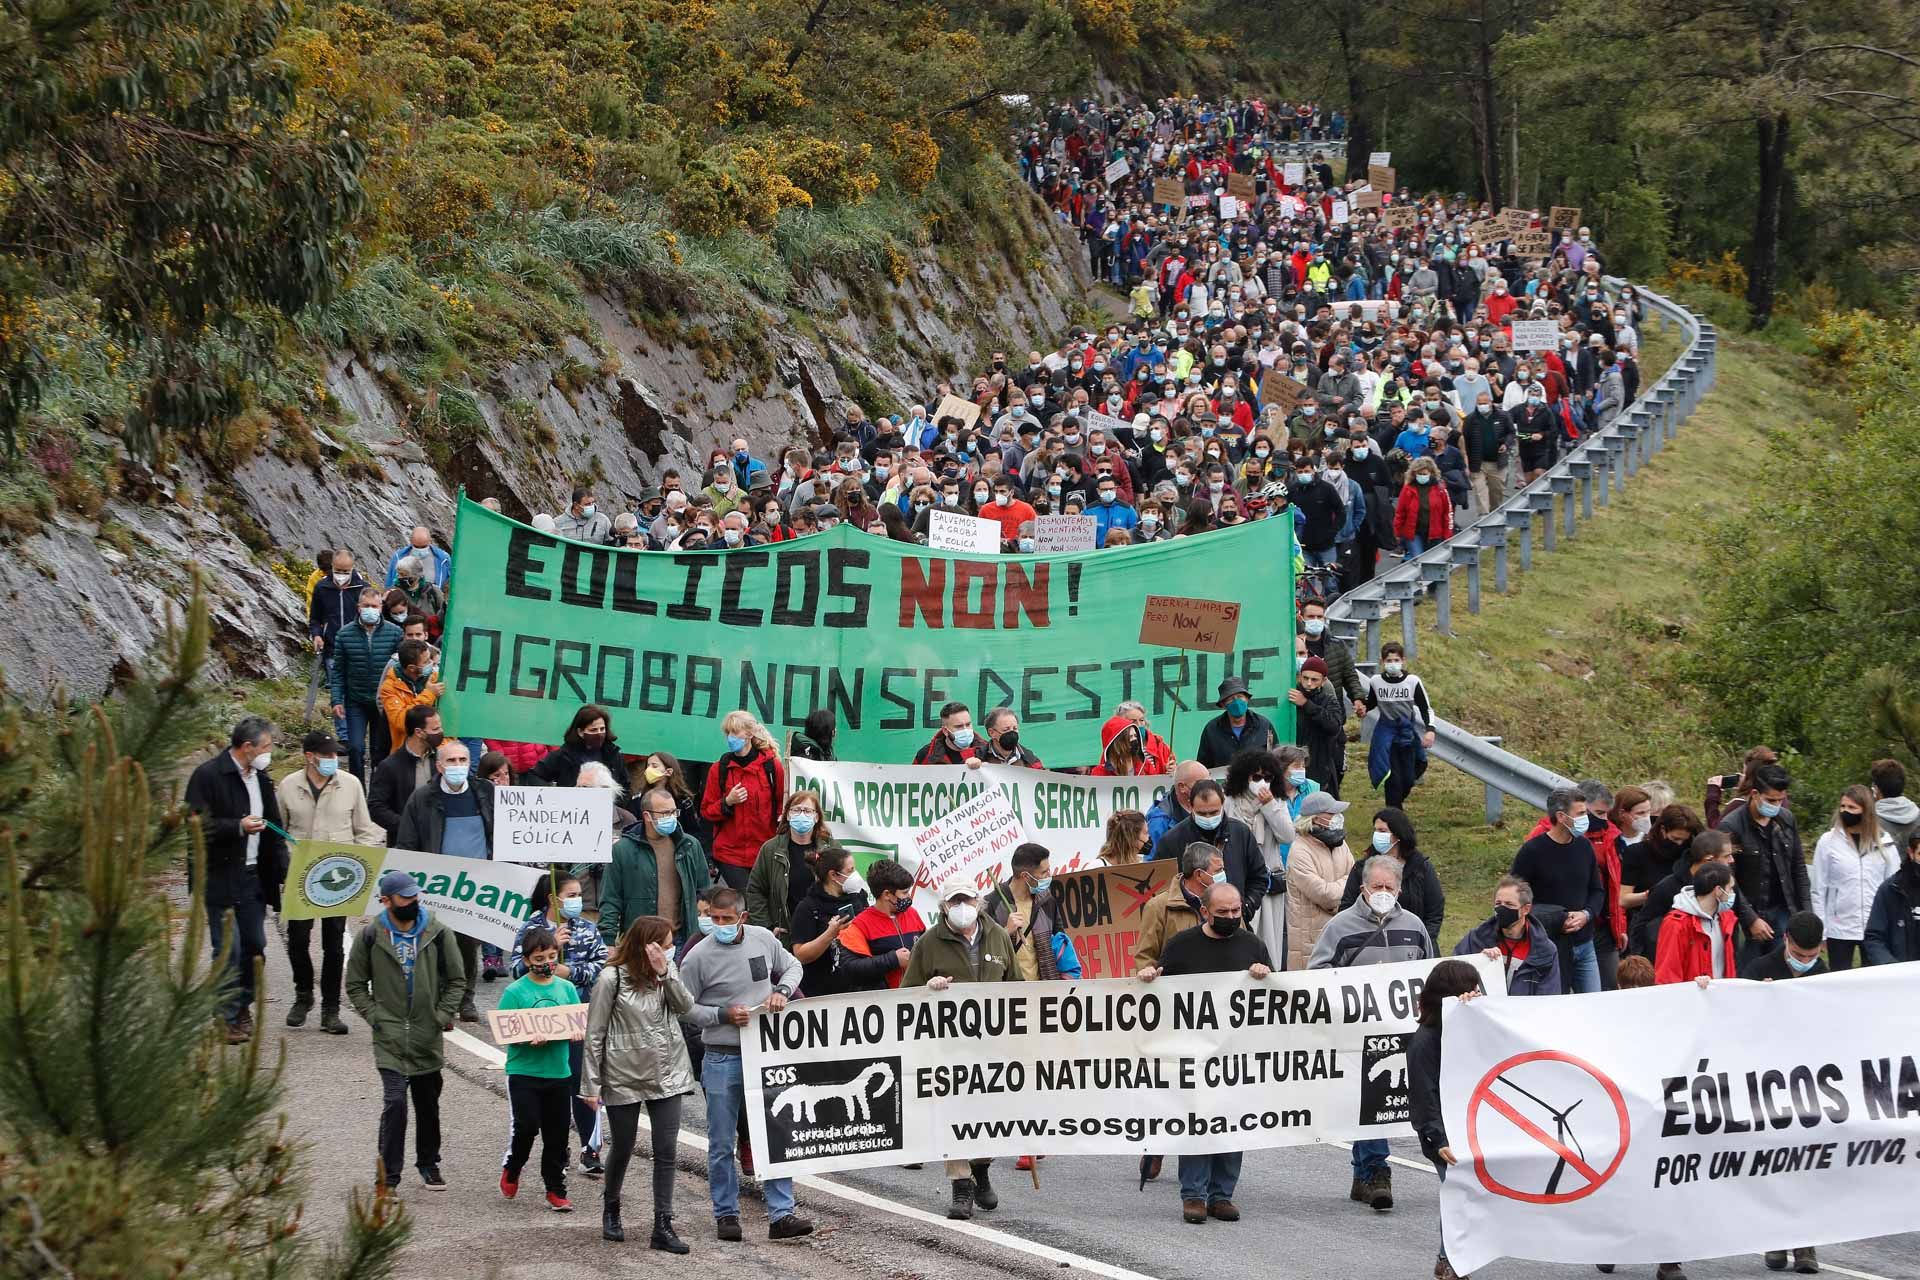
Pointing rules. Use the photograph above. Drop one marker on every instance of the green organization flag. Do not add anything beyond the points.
(329, 879)
(883, 633)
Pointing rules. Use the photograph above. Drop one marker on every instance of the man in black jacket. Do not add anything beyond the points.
(1643, 932)
(452, 816)
(1237, 728)
(1209, 823)
(1490, 436)
(1769, 863)
(1323, 510)
(246, 856)
(410, 767)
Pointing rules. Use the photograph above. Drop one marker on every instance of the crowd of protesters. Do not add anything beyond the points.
(1308, 349)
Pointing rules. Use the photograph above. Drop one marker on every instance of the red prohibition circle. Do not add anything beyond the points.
(1483, 1093)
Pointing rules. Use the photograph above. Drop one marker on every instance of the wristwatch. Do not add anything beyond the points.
(782, 992)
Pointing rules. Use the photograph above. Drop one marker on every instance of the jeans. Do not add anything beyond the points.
(394, 1090)
(333, 932)
(250, 924)
(724, 1079)
(1753, 948)
(1414, 547)
(360, 718)
(1369, 1157)
(583, 1115)
(1607, 956)
(539, 1107)
(1211, 1178)
(1316, 559)
(1585, 975)
(623, 1131)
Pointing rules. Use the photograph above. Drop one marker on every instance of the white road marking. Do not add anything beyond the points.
(495, 1058)
(1402, 1161)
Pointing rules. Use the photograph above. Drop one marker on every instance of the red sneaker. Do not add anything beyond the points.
(559, 1204)
(509, 1185)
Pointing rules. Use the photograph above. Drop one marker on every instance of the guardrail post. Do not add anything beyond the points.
(1495, 536)
(1583, 468)
(1404, 593)
(1616, 447)
(1468, 558)
(1521, 520)
(1541, 503)
(1630, 432)
(1496, 798)
(1440, 577)
(1562, 486)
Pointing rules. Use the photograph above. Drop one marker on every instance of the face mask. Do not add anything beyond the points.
(654, 773)
(800, 822)
(981, 496)
(1042, 884)
(1208, 821)
(722, 483)
(1360, 452)
(327, 766)
(1149, 523)
(1506, 917)
(1381, 902)
(1333, 836)
(1028, 546)
(736, 744)
(1392, 668)
(1641, 826)
(1157, 435)
(962, 738)
(726, 933)
(1851, 819)
(456, 775)
(666, 823)
(1108, 495)
(342, 579)
(1236, 707)
(1767, 808)
(1382, 841)
(262, 761)
(572, 905)
(1801, 966)
(731, 537)
(404, 915)
(1580, 825)
(1225, 926)
(1296, 776)
(962, 916)
(370, 615)
(1726, 904)
(399, 617)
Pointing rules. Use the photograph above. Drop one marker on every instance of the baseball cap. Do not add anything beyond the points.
(958, 888)
(398, 884)
(1321, 802)
(320, 743)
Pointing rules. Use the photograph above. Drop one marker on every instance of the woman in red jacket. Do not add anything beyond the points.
(742, 796)
(1696, 938)
(1424, 513)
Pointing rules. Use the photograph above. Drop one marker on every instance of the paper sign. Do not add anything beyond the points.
(1516, 219)
(1398, 217)
(1379, 157)
(1381, 177)
(1118, 170)
(954, 407)
(1563, 218)
(1184, 622)
(966, 844)
(1535, 335)
(1198, 201)
(1486, 231)
(957, 531)
(1240, 186)
(552, 824)
(1533, 243)
(1097, 421)
(1064, 533)
(1366, 198)
(1340, 212)
(1278, 388)
(1294, 172)
(1169, 191)
(1229, 208)
(552, 1022)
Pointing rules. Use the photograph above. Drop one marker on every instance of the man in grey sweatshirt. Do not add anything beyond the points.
(1899, 816)
(736, 970)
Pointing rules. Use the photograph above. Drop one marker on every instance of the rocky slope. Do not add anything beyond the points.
(633, 397)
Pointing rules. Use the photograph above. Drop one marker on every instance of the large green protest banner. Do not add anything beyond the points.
(883, 633)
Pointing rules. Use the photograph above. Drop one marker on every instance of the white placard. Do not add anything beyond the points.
(957, 531)
(1229, 208)
(1379, 157)
(1097, 421)
(1535, 335)
(1064, 533)
(969, 843)
(1118, 170)
(1739, 1118)
(1293, 173)
(1340, 212)
(552, 824)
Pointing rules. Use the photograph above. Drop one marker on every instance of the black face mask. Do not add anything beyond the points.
(1851, 819)
(1506, 917)
(1009, 740)
(1225, 926)
(404, 915)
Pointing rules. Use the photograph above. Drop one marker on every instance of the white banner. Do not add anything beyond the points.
(1741, 1118)
(878, 810)
(1064, 533)
(1209, 1062)
(480, 898)
(552, 824)
(1535, 335)
(958, 531)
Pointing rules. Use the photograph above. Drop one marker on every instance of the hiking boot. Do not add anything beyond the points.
(302, 1006)
(330, 1020)
(1380, 1190)
(430, 1178)
(962, 1206)
(664, 1238)
(984, 1196)
(610, 1228)
(1361, 1191)
(1776, 1259)
(728, 1227)
(1225, 1210)
(1194, 1211)
(791, 1227)
(468, 1013)
(238, 1032)
(1443, 1270)
(1806, 1261)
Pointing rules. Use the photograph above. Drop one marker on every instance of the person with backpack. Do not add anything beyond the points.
(741, 799)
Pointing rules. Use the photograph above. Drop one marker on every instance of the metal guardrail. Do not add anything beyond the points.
(1567, 493)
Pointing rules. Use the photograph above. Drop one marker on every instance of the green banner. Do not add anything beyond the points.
(881, 632)
(325, 878)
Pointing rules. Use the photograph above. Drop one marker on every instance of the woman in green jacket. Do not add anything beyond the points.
(783, 869)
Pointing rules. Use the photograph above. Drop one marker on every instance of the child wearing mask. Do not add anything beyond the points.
(583, 953)
(539, 1080)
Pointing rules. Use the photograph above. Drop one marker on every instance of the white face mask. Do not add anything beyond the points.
(262, 761)
(1381, 902)
(962, 916)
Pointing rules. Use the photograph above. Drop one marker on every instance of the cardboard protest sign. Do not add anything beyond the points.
(1117, 170)
(1516, 220)
(1533, 243)
(549, 1022)
(957, 531)
(1381, 177)
(1241, 186)
(1064, 533)
(952, 406)
(327, 878)
(1278, 388)
(1366, 198)
(882, 632)
(1169, 191)
(1186, 622)
(1293, 172)
(1400, 216)
(1563, 218)
(476, 896)
(552, 824)
(1181, 1065)
(1100, 911)
(1535, 335)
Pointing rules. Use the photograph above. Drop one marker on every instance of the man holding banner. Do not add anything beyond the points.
(323, 803)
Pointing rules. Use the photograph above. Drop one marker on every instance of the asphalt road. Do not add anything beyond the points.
(1088, 1215)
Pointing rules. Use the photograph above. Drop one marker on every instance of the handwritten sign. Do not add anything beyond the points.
(1294, 172)
(1563, 218)
(1240, 186)
(1381, 177)
(1340, 212)
(554, 1022)
(1097, 421)
(1516, 219)
(1064, 533)
(1366, 198)
(969, 844)
(552, 824)
(1380, 158)
(1229, 208)
(1400, 216)
(1277, 388)
(958, 531)
(951, 406)
(1532, 243)
(1535, 335)
(1118, 170)
(1187, 622)
(1169, 191)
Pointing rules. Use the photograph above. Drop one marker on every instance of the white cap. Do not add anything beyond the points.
(1140, 421)
(958, 888)
(543, 522)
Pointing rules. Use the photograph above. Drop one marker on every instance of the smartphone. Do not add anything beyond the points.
(848, 910)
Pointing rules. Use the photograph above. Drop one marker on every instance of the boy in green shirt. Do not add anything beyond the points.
(538, 1076)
